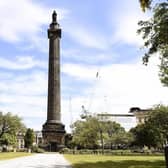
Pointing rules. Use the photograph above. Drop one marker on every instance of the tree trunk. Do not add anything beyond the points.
(102, 142)
(111, 145)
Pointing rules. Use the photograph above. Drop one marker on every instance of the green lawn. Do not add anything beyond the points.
(99, 161)
(10, 155)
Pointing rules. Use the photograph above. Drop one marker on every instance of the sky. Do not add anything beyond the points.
(101, 59)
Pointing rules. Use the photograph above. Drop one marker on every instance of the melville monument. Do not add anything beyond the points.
(53, 130)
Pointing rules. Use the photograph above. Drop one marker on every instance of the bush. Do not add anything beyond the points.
(65, 150)
(36, 149)
(21, 150)
(110, 152)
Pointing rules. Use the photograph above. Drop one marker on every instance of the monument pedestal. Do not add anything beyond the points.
(53, 136)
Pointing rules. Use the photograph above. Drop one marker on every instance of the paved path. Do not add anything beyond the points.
(37, 161)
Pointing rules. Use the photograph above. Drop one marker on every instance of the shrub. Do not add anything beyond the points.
(65, 150)
(36, 149)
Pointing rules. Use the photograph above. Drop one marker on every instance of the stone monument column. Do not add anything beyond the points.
(53, 130)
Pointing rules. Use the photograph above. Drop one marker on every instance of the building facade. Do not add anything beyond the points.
(38, 139)
(140, 114)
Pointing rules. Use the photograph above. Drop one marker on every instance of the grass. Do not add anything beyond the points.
(99, 161)
(11, 155)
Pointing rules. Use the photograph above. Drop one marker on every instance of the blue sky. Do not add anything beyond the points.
(97, 36)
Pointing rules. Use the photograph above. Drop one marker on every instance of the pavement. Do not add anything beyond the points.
(52, 160)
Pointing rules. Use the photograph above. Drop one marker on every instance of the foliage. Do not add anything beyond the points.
(99, 161)
(145, 4)
(155, 35)
(145, 135)
(153, 133)
(64, 150)
(36, 149)
(8, 139)
(123, 138)
(68, 141)
(115, 152)
(10, 125)
(29, 138)
(93, 133)
(84, 133)
(116, 134)
(158, 119)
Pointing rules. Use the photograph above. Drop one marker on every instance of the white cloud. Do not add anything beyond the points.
(34, 83)
(84, 34)
(89, 57)
(129, 33)
(87, 38)
(80, 72)
(24, 94)
(24, 20)
(21, 63)
(119, 87)
(125, 22)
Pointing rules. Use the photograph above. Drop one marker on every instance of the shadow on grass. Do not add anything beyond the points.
(122, 164)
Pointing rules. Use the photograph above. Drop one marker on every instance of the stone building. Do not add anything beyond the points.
(20, 140)
(38, 138)
(112, 117)
(140, 114)
(21, 143)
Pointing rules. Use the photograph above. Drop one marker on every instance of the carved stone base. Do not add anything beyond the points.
(53, 136)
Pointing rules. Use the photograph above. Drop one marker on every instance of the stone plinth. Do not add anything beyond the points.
(53, 135)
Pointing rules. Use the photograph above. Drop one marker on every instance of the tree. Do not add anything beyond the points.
(145, 4)
(153, 133)
(123, 139)
(29, 138)
(155, 35)
(10, 124)
(84, 133)
(92, 133)
(145, 135)
(158, 119)
(8, 139)
(115, 133)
